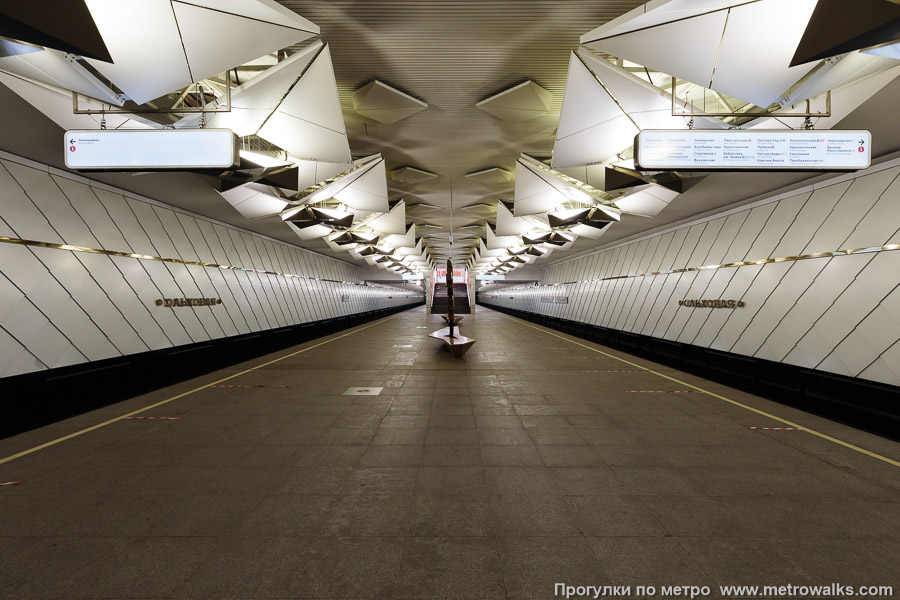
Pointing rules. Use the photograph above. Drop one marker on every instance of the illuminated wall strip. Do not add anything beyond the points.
(745, 263)
(179, 261)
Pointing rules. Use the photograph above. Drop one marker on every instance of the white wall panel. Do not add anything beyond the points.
(839, 314)
(59, 307)
(20, 214)
(880, 223)
(16, 358)
(846, 308)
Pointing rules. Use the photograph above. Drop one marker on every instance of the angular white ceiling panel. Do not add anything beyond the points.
(57, 105)
(51, 67)
(648, 106)
(850, 68)
(314, 98)
(755, 68)
(254, 201)
(588, 231)
(368, 191)
(247, 39)
(843, 101)
(585, 103)
(655, 13)
(632, 94)
(310, 233)
(415, 252)
(311, 172)
(252, 102)
(604, 108)
(407, 240)
(519, 103)
(539, 191)
(490, 175)
(308, 122)
(143, 39)
(593, 175)
(497, 241)
(507, 224)
(686, 49)
(304, 139)
(648, 200)
(592, 127)
(159, 46)
(488, 253)
(722, 50)
(261, 10)
(411, 175)
(534, 195)
(365, 183)
(393, 222)
(384, 104)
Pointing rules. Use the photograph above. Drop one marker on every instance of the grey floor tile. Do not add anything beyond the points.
(532, 515)
(451, 456)
(381, 480)
(347, 568)
(391, 456)
(451, 482)
(614, 516)
(451, 437)
(399, 437)
(448, 567)
(648, 561)
(533, 565)
(510, 456)
(291, 515)
(490, 477)
(435, 516)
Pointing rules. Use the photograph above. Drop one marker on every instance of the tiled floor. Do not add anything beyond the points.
(528, 463)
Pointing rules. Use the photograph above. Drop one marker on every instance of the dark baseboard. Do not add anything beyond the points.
(864, 404)
(36, 399)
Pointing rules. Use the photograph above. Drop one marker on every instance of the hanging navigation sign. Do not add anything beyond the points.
(150, 149)
(752, 150)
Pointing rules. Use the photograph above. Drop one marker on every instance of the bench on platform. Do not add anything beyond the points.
(459, 344)
(446, 319)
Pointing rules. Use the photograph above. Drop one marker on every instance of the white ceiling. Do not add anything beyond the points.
(450, 55)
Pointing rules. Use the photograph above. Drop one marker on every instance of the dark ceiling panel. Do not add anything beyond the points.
(66, 26)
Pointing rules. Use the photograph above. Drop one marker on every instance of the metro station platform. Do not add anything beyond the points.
(537, 459)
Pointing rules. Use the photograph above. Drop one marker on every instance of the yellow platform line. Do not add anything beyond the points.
(182, 395)
(723, 398)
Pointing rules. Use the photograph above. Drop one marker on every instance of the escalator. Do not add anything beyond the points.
(439, 299)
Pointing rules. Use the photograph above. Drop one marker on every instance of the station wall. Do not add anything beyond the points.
(838, 314)
(61, 307)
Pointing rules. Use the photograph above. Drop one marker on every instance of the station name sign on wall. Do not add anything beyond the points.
(711, 303)
(150, 149)
(177, 302)
(752, 150)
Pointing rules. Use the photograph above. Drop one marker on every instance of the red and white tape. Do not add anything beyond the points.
(776, 428)
(10, 483)
(152, 418)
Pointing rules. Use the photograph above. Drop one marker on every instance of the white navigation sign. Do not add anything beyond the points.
(752, 150)
(150, 149)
